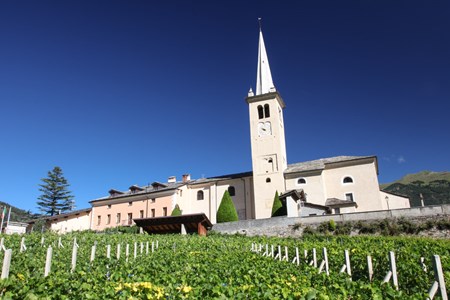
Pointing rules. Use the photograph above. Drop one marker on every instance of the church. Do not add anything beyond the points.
(334, 185)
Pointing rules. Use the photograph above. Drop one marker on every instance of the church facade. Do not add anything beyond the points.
(341, 184)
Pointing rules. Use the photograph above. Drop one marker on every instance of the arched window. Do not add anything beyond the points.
(260, 112)
(347, 180)
(200, 195)
(266, 111)
(301, 181)
(268, 179)
(231, 190)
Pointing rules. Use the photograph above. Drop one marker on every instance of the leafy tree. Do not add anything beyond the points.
(227, 211)
(55, 196)
(278, 209)
(176, 211)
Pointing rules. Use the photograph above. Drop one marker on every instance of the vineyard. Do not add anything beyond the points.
(125, 266)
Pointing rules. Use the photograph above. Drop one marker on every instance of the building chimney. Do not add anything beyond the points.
(172, 179)
(186, 177)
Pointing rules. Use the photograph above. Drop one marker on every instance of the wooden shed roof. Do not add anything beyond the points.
(172, 224)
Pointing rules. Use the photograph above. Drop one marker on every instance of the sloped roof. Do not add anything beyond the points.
(319, 164)
(143, 190)
(334, 202)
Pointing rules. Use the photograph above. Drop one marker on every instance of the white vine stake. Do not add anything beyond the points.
(392, 272)
(48, 261)
(74, 255)
(296, 259)
(346, 266)
(286, 254)
(439, 283)
(22, 245)
(93, 249)
(324, 262)
(6, 263)
(369, 267)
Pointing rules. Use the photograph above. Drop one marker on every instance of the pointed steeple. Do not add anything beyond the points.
(264, 83)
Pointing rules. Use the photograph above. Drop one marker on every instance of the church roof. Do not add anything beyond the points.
(320, 164)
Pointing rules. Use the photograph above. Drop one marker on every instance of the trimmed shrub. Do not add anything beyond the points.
(227, 211)
(176, 211)
(278, 209)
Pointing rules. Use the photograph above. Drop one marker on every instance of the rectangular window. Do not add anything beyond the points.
(164, 211)
(130, 218)
(141, 214)
(108, 219)
(349, 197)
(99, 220)
(118, 218)
(153, 213)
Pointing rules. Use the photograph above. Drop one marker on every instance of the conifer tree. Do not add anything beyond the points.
(55, 198)
(277, 208)
(227, 211)
(176, 211)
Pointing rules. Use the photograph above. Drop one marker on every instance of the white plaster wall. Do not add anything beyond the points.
(365, 187)
(314, 188)
(71, 223)
(395, 202)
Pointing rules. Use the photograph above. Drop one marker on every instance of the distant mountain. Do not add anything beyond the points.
(434, 186)
(17, 214)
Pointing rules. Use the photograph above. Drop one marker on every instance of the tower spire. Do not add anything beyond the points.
(264, 83)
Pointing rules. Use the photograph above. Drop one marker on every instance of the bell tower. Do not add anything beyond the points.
(267, 137)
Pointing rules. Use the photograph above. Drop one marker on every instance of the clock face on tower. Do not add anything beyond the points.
(264, 128)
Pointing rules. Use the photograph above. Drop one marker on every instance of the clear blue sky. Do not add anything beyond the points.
(130, 92)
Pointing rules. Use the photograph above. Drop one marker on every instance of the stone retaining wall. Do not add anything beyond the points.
(283, 226)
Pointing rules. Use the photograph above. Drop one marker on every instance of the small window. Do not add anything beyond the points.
(108, 219)
(349, 197)
(301, 181)
(260, 112)
(153, 213)
(200, 195)
(231, 190)
(268, 179)
(266, 111)
(164, 211)
(118, 217)
(99, 220)
(141, 214)
(348, 180)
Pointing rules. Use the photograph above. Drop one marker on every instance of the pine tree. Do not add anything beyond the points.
(227, 211)
(55, 198)
(176, 211)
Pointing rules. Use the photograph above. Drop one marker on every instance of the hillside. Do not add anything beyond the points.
(17, 214)
(434, 186)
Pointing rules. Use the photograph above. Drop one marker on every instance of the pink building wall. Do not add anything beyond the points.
(111, 213)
